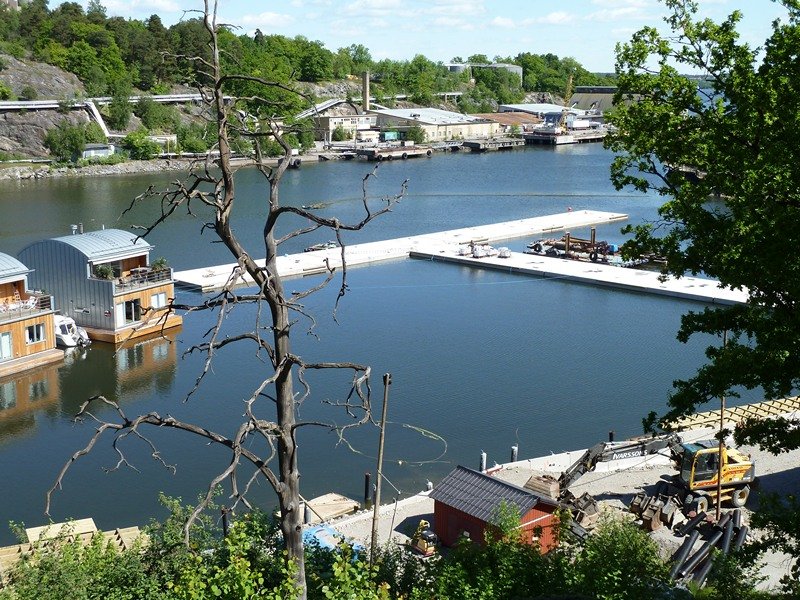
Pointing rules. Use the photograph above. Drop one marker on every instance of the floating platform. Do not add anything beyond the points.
(573, 137)
(687, 288)
(330, 506)
(82, 530)
(757, 410)
(208, 279)
(393, 152)
(493, 144)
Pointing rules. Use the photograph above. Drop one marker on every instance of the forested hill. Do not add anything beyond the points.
(113, 56)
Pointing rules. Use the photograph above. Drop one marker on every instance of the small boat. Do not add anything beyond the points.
(321, 246)
(68, 334)
(503, 252)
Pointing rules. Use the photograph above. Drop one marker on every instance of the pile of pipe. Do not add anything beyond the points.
(727, 535)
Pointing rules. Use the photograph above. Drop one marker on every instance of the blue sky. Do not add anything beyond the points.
(586, 30)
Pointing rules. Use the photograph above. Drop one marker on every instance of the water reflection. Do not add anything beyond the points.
(136, 369)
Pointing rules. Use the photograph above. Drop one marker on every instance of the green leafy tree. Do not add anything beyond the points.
(415, 134)
(66, 141)
(340, 134)
(66, 568)
(120, 109)
(736, 220)
(620, 561)
(155, 116)
(140, 146)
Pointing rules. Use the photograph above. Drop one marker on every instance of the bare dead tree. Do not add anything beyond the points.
(265, 444)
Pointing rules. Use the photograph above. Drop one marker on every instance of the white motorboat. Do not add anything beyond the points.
(68, 334)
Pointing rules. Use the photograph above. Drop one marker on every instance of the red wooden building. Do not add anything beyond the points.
(470, 501)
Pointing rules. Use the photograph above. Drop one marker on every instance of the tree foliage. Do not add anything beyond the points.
(736, 219)
(66, 141)
(725, 158)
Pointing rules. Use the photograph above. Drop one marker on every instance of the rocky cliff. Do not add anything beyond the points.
(23, 132)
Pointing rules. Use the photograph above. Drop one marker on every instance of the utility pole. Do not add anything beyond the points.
(387, 381)
(721, 440)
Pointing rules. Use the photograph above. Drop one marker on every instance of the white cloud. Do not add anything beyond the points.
(266, 20)
(453, 23)
(503, 22)
(556, 18)
(625, 3)
(376, 8)
(118, 7)
(614, 14)
(460, 7)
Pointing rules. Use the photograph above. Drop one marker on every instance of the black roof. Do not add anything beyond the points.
(480, 495)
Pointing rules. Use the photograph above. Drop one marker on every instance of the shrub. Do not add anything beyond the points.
(340, 134)
(28, 93)
(140, 146)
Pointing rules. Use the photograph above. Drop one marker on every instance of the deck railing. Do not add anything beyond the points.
(141, 279)
(27, 307)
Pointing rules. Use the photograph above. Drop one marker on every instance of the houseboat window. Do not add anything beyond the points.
(8, 395)
(158, 300)
(5, 346)
(38, 390)
(34, 333)
(133, 311)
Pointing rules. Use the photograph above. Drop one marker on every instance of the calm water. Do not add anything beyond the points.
(480, 360)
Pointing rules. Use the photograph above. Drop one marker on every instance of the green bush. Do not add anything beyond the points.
(6, 93)
(340, 134)
(28, 93)
(139, 146)
(64, 569)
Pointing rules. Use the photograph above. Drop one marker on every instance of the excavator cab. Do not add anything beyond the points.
(700, 470)
(699, 467)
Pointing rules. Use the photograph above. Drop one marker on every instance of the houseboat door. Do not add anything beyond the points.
(5, 346)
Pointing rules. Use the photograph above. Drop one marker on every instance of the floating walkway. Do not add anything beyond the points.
(758, 410)
(687, 288)
(311, 263)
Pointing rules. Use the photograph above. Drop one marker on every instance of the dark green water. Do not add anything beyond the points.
(482, 360)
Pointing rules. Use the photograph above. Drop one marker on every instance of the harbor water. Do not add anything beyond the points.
(480, 360)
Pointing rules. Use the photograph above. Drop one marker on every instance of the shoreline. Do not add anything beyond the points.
(39, 171)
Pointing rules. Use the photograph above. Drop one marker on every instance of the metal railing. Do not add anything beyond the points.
(142, 279)
(27, 307)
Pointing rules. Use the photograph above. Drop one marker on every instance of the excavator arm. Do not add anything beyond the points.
(608, 451)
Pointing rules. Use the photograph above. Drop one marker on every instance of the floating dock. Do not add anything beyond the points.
(759, 410)
(571, 137)
(493, 144)
(208, 279)
(687, 288)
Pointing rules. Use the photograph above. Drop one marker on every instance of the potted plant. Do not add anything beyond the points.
(104, 271)
(160, 264)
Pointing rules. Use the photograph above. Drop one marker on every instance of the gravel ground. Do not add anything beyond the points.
(614, 489)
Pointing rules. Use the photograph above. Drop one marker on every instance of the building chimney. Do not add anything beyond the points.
(365, 91)
(80, 227)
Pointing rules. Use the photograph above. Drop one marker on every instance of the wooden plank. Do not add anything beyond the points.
(54, 530)
(331, 505)
(757, 410)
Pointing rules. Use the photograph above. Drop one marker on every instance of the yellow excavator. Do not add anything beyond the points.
(695, 487)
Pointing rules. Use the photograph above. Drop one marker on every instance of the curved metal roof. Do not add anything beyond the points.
(106, 244)
(10, 268)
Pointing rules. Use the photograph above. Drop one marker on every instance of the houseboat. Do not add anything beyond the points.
(104, 280)
(27, 334)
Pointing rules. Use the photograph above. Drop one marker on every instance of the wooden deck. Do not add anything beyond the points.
(330, 506)
(82, 529)
(757, 410)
